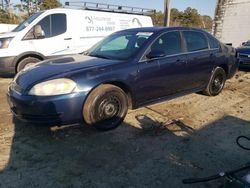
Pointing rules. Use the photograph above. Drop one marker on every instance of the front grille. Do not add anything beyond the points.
(244, 55)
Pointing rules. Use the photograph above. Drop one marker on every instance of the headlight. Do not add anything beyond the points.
(53, 87)
(4, 42)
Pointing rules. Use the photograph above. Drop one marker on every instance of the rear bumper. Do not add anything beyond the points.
(54, 110)
(7, 65)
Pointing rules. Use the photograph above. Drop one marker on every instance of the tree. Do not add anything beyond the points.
(158, 19)
(191, 18)
(49, 4)
(175, 17)
(8, 18)
(207, 22)
(28, 6)
(188, 18)
(32, 6)
(5, 4)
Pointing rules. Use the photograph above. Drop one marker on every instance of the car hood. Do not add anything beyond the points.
(8, 35)
(59, 67)
(244, 50)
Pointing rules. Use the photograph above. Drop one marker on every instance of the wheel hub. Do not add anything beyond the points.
(29, 65)
(217, 83)
(109, 109)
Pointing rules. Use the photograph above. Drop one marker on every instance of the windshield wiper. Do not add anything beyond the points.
(84, 53)
(100, 56)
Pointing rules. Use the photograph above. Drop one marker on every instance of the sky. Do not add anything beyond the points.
(205, 7)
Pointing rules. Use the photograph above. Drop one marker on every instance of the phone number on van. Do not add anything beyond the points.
(100, 28)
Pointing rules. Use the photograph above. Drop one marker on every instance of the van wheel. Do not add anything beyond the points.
(105, 107)
(27, 62)
(216, 83)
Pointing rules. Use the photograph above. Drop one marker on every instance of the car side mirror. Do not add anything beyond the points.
(38, 32)
(243, 43)
(155, 54)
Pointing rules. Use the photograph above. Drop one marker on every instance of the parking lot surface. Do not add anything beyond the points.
(156, 146)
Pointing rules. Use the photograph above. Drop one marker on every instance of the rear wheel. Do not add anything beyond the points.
(216, 83)
(105, 107)
(27, 62)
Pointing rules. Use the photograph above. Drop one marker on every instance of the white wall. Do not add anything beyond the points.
(233, 21)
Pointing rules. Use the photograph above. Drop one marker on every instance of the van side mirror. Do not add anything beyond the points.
(155, 54)
(243, 43)
(38, 32)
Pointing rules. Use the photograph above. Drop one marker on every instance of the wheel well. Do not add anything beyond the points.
(126, 89)
(225, 67)
(26, 56)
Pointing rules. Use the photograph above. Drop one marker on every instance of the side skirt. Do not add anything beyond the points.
(169, 97)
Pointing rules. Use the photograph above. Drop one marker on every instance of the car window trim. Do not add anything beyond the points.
(143, 59)
(168, 56)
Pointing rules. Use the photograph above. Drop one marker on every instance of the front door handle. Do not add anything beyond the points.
(180, 62)
(68, 39)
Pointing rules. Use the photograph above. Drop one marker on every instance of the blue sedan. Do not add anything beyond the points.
(244, 56)
(128, 69)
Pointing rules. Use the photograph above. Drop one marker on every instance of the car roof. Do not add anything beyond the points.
(159, 29)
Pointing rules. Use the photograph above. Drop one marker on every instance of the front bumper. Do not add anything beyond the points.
(244, 61)
(7, 65)
(54, 110)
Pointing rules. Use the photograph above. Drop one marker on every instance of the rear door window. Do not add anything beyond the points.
(214, 43)
(195, 41)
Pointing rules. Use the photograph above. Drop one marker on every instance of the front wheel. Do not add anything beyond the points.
(27, 62)
(106, 107)
(216, 83)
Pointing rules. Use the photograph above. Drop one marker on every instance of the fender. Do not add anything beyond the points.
(27, 54)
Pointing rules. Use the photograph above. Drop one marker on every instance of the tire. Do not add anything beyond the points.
(26, 62)
(106, 107)
(216, 83)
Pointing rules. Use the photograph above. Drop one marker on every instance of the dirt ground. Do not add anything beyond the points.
(144, 152)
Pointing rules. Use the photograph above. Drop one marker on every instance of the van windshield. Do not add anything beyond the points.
(27, 22)
(120, 46)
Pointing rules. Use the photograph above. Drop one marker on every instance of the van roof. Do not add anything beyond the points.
(103, 7)
(65, 10)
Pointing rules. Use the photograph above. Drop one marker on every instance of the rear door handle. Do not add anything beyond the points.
(68, 39)
(212, 54)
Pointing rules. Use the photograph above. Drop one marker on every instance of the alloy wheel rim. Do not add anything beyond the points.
(217, 83)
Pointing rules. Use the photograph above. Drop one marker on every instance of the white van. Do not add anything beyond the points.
(63, 31)
(7, 27)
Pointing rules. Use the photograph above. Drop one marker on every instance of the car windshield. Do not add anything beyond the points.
(27, 22)
(120, 46)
